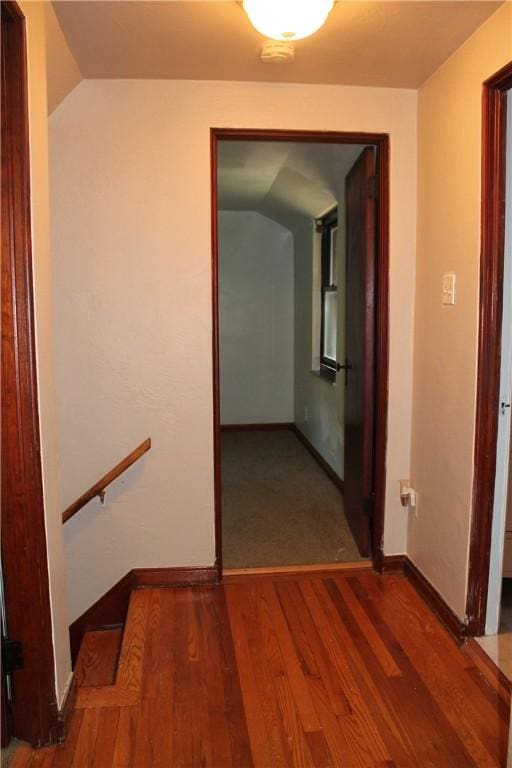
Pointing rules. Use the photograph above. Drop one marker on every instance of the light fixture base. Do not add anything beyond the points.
(277, 52)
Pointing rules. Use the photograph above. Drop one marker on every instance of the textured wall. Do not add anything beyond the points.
(445, 338)
(130, 196)
(255, 319)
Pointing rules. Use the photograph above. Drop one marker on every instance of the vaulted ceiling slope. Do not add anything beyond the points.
(282, 180)
(63, 74)
(383, 43)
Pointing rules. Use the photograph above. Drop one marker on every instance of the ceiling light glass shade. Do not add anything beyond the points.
(287, 19)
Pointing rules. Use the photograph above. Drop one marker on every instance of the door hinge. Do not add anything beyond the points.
(12, 655)
(372, 187)
(369, 506)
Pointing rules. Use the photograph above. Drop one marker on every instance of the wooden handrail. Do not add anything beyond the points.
(98, 489)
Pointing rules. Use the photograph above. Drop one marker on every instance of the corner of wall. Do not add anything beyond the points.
(63, 72)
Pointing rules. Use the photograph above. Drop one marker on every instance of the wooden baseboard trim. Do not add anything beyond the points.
(436, 603)
(110, 610)
(393, 563)
(256, 427)
(68, 705)
(329, 471)
(498, 680)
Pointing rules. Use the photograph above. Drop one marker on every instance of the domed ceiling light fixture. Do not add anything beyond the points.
(287, 20)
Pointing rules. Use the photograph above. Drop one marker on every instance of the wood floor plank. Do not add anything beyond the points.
(310, 646)
(368, 628)
(106, 738)
(22, 757)
(158, 674)
(154, 735)
(438, 651)
(337, 670)
(359, 707)
(64, 752)
(92, 697)
(126, 689)
(301, 755)
(453, 691)
(319, 749)
(340, 750)
(217, 696)
(269, 664)
(97, 661)
(295, 617)
(423, 619)
(202, 737)
(298, 684)
(424, 711)
(86, 742)
(226, 709)
(266, 734)
(43, 758)
(129, 674)
(124, 748)
(261, 749)
(188, 744)
(347, 660)
(152, 663)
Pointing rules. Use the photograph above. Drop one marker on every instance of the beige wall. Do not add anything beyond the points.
(255, 319)
(445, 338)
(38, 128)
(130, 196)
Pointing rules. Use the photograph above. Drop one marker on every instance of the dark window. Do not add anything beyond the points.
(329, 317)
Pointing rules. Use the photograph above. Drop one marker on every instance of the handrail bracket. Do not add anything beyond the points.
(99, 488)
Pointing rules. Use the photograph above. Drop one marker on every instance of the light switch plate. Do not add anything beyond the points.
(448, 294)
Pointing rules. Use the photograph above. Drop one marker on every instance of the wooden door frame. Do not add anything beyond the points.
(494, 116)
(381, 142)
(24, 552)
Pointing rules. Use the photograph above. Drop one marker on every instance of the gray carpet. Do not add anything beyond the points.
(278, 505)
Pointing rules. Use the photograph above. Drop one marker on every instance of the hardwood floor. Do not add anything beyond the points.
(346, 669)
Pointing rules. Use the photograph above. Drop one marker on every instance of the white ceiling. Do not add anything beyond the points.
(282, 180)
(383, 43)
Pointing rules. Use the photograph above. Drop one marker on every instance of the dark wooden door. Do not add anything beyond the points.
(359, 345)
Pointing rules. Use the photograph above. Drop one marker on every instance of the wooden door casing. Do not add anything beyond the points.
(494, 122)
(24, 554)
(381, 142)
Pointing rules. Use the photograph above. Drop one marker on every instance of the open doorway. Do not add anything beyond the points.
(488, 599)
(498, 615)
(300, 392)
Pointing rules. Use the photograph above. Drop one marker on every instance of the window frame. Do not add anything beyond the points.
(327, 223)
